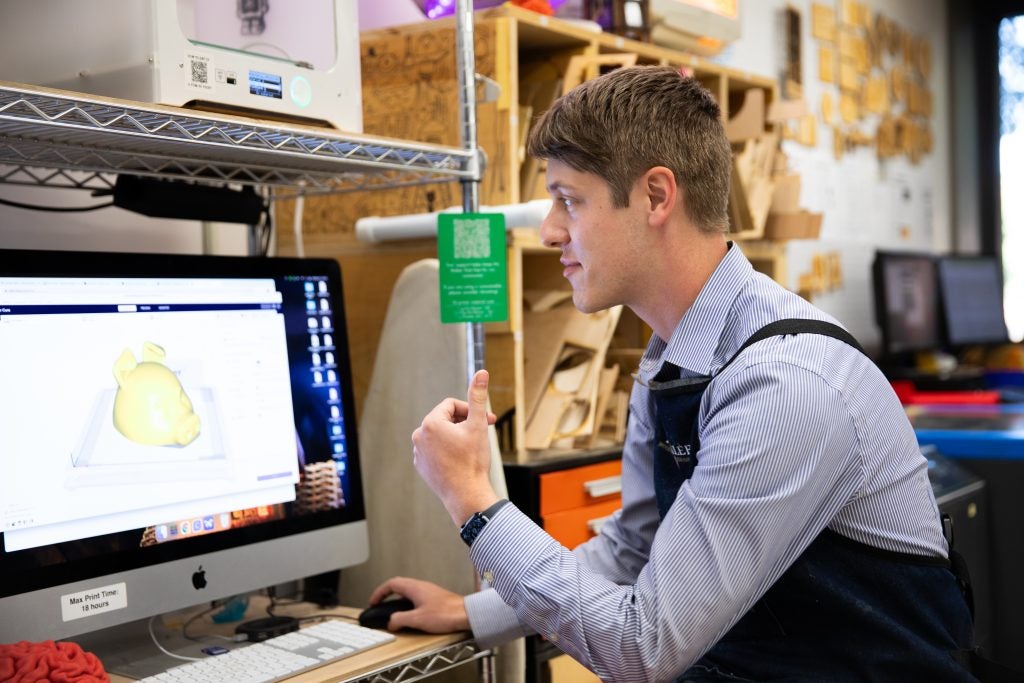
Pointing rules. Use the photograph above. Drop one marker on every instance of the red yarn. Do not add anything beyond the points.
(27, 662)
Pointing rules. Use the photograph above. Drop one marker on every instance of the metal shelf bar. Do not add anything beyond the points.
(89, 140)
(420, 667)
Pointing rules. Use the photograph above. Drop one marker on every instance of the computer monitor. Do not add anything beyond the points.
(906, 302)
(173, 430)
(971, 290)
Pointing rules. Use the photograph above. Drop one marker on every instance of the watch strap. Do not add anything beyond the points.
(475, 524)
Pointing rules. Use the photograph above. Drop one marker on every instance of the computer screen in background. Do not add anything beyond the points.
(906, 302)
(173, 430)
(971, 292)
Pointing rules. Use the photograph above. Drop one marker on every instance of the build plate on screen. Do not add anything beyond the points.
(173, 429)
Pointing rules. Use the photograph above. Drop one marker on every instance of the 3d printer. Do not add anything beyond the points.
(295, 61)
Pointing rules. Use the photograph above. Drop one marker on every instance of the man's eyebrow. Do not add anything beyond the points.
(556, 187)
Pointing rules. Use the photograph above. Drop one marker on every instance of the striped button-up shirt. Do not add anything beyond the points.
(799, 434)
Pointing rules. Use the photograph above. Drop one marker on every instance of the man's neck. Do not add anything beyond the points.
(683, 276)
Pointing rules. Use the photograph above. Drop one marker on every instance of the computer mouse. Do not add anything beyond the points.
(377, 616)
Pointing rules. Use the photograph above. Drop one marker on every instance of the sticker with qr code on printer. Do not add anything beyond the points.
(199, 69)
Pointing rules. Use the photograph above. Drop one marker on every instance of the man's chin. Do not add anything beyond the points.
(585, 305)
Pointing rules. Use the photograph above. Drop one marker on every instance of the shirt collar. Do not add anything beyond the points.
(696, 337)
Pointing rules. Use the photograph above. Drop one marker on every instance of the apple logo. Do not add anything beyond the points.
(199, 578)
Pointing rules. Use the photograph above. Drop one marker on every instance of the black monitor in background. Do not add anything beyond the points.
(173, 430)
(906, 295)
(971, 292)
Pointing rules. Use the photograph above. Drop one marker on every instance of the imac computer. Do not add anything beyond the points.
(972, 300)
(173, 430)
(906, 303)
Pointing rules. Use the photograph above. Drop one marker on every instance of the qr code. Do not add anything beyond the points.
(200, 71)
(472, 238)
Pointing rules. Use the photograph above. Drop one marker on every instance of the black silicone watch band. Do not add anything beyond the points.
(475, 524)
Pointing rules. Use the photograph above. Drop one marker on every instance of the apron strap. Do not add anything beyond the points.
(797, 326)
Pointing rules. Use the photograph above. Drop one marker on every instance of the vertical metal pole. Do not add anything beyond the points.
(488, 674)
(465, 64)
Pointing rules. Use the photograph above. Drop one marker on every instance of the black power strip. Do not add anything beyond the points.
(261, 629)
(187, 201)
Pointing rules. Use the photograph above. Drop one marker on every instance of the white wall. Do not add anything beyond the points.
(382, 13)
(866, 202)
(108, 229)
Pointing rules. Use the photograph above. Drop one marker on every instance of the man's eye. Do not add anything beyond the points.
(567, 203)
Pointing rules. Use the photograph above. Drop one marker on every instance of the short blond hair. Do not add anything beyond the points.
(621, 124)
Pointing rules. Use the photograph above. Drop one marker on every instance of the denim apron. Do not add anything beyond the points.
(844, 611)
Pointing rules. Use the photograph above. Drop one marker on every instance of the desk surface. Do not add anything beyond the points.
(411, 654)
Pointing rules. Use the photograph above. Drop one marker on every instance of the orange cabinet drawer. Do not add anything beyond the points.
(572, 527)
(579, 486)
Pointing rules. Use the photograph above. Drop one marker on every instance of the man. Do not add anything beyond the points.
(777, 519)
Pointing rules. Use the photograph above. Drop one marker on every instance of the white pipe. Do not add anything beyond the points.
(411, 226)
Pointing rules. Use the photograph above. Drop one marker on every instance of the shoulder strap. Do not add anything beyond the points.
(797, 326)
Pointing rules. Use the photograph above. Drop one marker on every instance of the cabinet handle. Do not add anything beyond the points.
(595, 524)
(603, 487)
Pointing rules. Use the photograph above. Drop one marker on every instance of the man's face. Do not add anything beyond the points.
(601, 244)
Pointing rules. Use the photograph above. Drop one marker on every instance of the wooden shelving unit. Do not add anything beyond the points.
(410, 89)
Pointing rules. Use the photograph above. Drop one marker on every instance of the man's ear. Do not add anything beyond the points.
(662, 192)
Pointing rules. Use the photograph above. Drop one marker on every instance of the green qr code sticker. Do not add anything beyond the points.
(473, 270)
(472, 238)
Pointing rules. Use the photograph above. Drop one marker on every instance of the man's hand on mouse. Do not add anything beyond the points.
(452, 452)
(437, 610)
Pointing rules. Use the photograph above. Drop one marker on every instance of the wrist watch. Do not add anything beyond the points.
(472, 528)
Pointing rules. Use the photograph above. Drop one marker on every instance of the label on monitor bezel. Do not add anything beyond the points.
(94, 601)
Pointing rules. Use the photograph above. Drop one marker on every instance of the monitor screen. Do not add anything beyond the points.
(906, 302)
(972, 300)
(173, 429)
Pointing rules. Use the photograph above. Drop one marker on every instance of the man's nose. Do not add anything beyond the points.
(552, 234)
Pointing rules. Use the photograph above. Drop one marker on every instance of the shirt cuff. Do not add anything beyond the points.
(492, 621)
(508, 547)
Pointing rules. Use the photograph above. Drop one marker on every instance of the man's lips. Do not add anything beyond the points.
(569, 266)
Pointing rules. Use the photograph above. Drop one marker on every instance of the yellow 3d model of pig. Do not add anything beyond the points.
(151, 407)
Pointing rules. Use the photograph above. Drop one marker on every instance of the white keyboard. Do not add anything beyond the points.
(280, 657)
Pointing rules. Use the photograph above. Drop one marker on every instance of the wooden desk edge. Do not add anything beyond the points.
(408, 647)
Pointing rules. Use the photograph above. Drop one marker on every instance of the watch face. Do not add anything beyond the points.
(473, 528)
